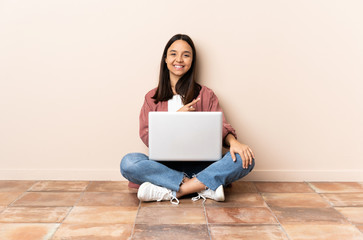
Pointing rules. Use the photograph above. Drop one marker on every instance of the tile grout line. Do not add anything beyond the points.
(347, 219)
(341, 214)
(21, 195)
(269, 208)
(311, 186)
(70, 210)
(206, 219)
(322, 195)
(133, 226)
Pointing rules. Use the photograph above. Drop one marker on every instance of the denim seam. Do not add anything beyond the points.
(196, 176)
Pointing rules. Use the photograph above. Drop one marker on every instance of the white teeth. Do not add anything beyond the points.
(178, 66)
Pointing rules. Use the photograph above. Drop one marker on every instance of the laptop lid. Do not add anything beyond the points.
(185, 136)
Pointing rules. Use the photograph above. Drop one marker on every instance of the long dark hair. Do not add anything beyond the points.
(186, 86)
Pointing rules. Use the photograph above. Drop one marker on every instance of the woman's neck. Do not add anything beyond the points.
(173, 81)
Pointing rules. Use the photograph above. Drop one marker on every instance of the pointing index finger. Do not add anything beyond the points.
(193, 102)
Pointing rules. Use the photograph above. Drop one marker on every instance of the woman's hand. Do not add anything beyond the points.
(189, 107)
(243, 150)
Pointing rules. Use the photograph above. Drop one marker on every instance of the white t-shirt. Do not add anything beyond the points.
(175, 103)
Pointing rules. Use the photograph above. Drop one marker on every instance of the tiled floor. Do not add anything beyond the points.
(65, 210)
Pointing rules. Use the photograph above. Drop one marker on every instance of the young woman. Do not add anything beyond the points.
(178, 91)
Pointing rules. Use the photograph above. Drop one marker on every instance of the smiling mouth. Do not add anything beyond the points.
(178, 66)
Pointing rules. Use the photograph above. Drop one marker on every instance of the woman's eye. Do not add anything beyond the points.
(186, 55)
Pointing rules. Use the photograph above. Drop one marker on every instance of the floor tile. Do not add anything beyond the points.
(170, 215)
(34, 214)
(283, 187)
(353, 214)
(310, 200)
(322, 232)
(27, 231)
(336, 187)
(241, 187)
(15, 186)
(316, 215)
(102, 215)
(231, 215)
(48, 199)
(238, 200)
(257, 232)
(184, 202)
(167, 232)
(110, 186)
(109, 199)
(8, 197)
(93, 231)
(109, 209)
(345, 199)
(59, 186)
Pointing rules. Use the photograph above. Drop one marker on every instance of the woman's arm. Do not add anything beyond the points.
(213, 106)
(147, 107)
(144, 123)
(230, 136)
(243, 150)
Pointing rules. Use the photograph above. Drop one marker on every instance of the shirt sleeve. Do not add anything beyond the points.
(144, 121)
(227, 128)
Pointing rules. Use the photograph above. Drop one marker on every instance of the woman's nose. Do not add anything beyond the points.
(179, 58)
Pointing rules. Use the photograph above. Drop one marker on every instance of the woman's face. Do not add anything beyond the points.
(179, 58)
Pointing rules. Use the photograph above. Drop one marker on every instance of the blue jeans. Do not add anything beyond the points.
(137, 168)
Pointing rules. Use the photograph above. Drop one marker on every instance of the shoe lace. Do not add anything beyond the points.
(167, 193)
(199, 197)
(174, 200)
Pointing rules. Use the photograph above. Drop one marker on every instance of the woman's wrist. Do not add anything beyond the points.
(230, 139)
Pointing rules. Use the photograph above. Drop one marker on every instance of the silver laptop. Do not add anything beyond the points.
(185, 136)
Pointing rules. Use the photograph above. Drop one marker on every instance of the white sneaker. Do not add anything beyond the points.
(217, 195)
(149, 192)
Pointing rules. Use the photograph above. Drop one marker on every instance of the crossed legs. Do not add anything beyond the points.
(137, 168)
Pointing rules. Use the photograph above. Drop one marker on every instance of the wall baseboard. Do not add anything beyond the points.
(346, 175)
(62, 174)
(114, 175)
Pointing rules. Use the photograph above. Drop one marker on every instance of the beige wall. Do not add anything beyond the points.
(73, 75)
